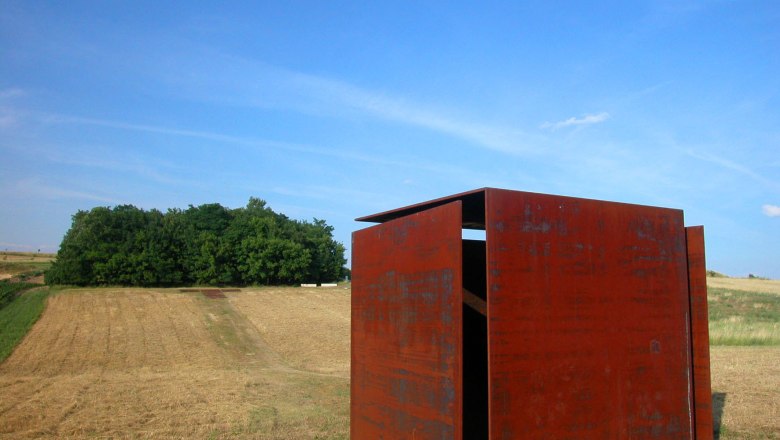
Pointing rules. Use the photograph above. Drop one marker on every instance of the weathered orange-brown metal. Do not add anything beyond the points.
(406, 328)
(582, 319)
(587, 319)
(700, 333)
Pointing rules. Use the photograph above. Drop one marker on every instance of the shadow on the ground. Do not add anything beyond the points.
(718, 402)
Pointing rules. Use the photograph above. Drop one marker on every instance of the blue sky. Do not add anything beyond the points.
(336, 110)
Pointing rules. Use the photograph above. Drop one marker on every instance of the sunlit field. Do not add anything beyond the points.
(30, 264)
(745, 356)
(147, 363)
(273, 363)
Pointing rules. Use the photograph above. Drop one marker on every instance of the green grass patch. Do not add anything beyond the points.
(23, 266)
(9, 291)
(313, 407)
(738, 317)
(17, 317)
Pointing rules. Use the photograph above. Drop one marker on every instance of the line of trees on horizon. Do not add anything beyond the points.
(204, 245)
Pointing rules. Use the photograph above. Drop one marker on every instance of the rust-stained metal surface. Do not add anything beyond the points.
(700, 334)
(473, 212)
(406, 327)
(587, 319)
(595, 323)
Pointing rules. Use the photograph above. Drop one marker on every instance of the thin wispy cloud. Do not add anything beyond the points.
(66, 119)
(771, 210)
(240, 81)
(7, 119)
(405, 111)
(729, 164)
(649, 90)
(213, 136)
(585, 120)
(103, 158)
(327, 193)
(13, 92)
(35, 188)
(248, 142)
(9, 116)
(128, 165)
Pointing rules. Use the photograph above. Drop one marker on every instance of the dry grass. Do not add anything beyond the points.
(26, 257)
(745, 380)
(745, 284)
(13, 264)
(142, 363)
(746, 390)
(319, 316)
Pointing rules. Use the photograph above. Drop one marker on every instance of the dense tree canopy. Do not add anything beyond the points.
(204, 245)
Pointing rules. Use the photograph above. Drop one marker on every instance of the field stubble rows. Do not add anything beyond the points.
(142, 363)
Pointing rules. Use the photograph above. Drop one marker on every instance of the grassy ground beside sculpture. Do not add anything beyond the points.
(745, 356)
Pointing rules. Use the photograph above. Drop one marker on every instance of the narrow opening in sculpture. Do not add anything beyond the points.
(475, 356)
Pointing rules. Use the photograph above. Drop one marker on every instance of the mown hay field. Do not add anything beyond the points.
(745, 357)
(153, 363)
(267, 363)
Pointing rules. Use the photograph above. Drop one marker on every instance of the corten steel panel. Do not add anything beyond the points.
(588, 319)
(406, 327)
(473, 209)
(700, 335)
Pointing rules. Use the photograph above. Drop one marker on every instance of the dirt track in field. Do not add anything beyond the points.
(322, 319)
(141, 363)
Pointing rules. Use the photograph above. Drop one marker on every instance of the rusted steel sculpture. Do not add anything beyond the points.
(574, 318)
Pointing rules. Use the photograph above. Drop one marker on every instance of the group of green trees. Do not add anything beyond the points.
(204, 245)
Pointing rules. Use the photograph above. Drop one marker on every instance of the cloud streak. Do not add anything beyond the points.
(247, 142)
(64, 119)
(7, 119)
(771, 210)
(400, 110)
(585, 120)
(12, 92)
(728, 164)
(34, 188)
(240, 81)
(8, 115)
(130, 165)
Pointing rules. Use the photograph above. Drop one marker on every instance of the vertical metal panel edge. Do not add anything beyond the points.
(407, 328)
(488, 233)
(700, 340)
